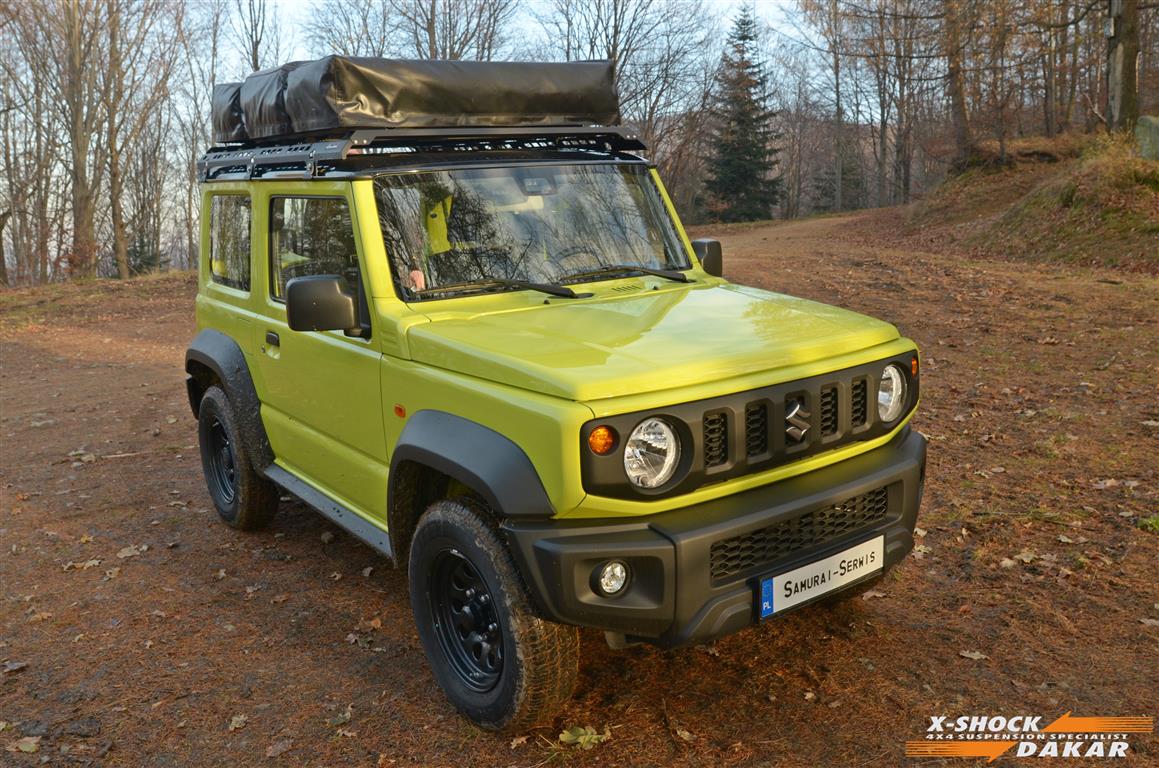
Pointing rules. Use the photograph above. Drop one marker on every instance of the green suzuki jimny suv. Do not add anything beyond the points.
(450, 306)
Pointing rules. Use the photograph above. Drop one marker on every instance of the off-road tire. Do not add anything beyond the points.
(540, 659)
(244, 499)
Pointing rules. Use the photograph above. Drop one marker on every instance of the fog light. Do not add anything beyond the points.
(611, 577)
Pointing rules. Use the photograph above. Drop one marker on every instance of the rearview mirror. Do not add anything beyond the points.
(711, 261)
(318, 303)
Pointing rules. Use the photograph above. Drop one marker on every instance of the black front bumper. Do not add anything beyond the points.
(678, 593)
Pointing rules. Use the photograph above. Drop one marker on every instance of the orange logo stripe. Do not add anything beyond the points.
(1068, 724)
(987, 749)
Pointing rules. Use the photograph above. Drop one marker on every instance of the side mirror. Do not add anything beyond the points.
(318, 303)
(708, 251)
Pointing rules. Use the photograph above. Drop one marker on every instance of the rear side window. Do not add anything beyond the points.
(311, 236)
(229, 241)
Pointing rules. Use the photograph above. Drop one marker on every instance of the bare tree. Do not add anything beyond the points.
(257, 33)
(351, 28)
(450, 29)
(1122, 58)
(143, 42)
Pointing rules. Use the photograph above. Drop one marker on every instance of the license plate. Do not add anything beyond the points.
(783, 591)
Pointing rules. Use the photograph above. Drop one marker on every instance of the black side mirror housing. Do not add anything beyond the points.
(708, 251)
(319, 303)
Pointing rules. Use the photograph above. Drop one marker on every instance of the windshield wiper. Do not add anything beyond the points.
(548, 288)
(669, 274)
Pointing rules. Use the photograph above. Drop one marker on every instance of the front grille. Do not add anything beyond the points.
(762, 548)
(829, 411)
(858, 407)
(715, 440)
(756, 427)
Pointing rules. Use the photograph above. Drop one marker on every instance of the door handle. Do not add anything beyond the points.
(272, 339)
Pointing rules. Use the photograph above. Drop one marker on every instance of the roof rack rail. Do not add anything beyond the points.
(307, 156)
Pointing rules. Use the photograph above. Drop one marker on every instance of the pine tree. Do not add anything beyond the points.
(740, 172)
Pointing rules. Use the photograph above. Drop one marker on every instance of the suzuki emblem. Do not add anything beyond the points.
(796, 420)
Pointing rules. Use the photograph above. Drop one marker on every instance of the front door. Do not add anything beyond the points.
(322, 401)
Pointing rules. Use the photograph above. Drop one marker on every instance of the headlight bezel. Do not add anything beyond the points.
(671, 462)
(900, 386)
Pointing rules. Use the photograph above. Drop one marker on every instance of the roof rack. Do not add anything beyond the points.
(307, 156)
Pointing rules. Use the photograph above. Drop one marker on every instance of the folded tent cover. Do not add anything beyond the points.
(340, 92)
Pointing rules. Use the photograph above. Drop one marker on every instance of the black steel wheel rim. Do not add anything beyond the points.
(466, 622)
(222, 474)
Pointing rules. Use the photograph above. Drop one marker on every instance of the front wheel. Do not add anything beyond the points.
(502, 666)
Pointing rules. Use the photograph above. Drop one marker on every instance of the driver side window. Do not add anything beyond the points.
(311, 236)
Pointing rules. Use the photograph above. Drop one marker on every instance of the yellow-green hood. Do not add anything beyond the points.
(641, 341)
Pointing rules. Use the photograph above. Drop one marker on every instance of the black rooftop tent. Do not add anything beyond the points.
(339, 93)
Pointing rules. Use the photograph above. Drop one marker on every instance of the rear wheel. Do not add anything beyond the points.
(502, 666)
(243, 498)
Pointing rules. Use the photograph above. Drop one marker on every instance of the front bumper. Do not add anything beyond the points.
(682, 589)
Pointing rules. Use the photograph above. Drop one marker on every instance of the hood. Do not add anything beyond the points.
(607, 346)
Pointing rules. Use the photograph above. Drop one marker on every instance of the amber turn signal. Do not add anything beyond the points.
(602, 440)
(913, 366)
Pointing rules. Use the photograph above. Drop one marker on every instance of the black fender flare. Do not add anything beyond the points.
(477, 456)
(214, 352)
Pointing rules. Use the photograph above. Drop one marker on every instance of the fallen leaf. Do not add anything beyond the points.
(279, 747)
(39, 616)
(975, 655)
(1027, 556)
(584, 737)
(343, 717)
(367, 571)
(279, 598)
(684, 734)
(920, 532)
(132, 551)
(14, 666)
(111, 573)
(1149, 622)
(871, 593)
(518, 741)
(237, 722)
(1065, 539)
(28, 744)
(327, 537)
(1006, 562)
(219, 575)
(345, 733)
(85, 539)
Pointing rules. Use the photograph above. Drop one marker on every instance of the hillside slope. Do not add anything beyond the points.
(1087, 201)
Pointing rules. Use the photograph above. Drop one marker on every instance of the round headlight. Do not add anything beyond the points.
(651, 453)
(891, 393)
(611, 577)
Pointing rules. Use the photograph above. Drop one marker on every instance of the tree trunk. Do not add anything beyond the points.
(4, 215)
(113, 102)
(1122, 61)
(963, 138)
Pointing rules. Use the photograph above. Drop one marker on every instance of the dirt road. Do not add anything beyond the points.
(154, 636)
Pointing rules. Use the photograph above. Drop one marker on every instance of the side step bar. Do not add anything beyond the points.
(356, 525)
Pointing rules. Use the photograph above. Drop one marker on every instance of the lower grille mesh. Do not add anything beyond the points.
(762, 548)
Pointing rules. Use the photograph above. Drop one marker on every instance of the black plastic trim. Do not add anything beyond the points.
(672, 599)
(222, 356)
(477, 456)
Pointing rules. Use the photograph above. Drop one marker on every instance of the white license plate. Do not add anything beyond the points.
(783, 591)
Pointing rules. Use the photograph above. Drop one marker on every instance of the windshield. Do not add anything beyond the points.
(470, 229)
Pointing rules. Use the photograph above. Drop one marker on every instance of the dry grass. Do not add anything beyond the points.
(1081, 200)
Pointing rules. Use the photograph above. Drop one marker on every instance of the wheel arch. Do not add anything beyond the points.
(214, 358)
(438, 451)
